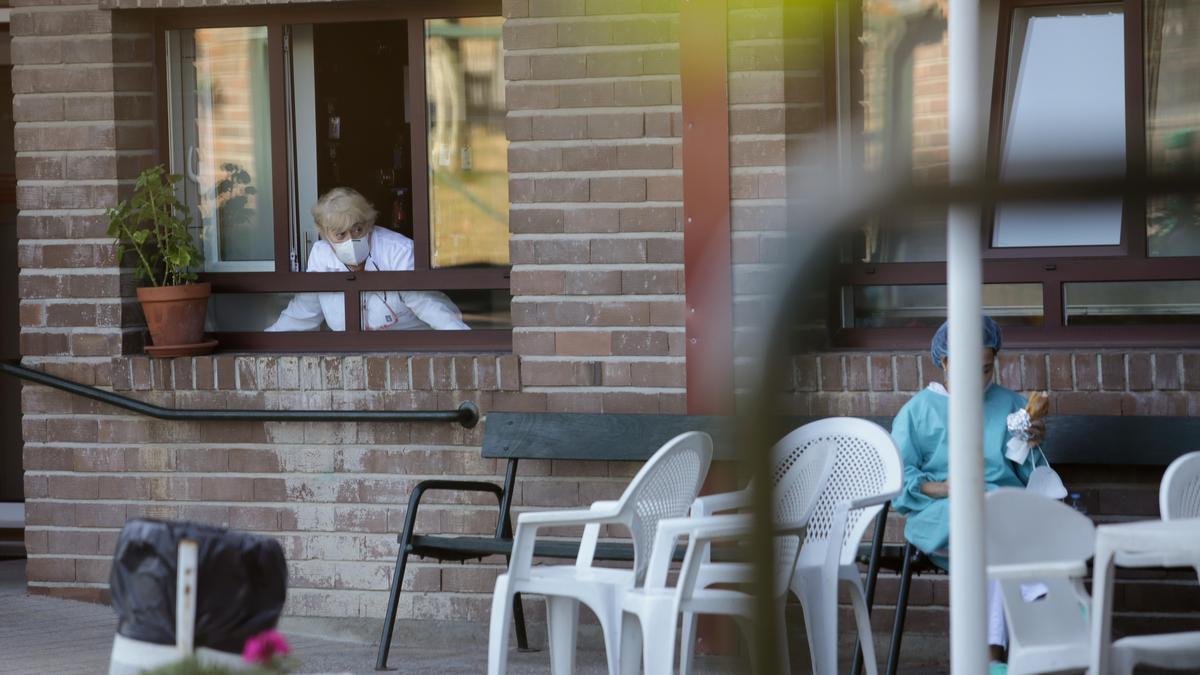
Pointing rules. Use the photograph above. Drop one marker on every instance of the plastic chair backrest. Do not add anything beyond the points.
(867, 465)
(1023, 527)
(1179, 493)
(799, 471)
(665, 487)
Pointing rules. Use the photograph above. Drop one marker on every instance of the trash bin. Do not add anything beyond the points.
(241, 585)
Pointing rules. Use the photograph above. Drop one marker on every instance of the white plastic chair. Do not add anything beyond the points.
(1178, 497)
(1035, 539)
(1179, 492)
(651, 612)
(866, 474)
(664, 488)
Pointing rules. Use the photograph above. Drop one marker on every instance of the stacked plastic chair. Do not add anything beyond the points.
(664, 488)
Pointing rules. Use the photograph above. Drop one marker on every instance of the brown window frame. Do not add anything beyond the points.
(1052, 267)
(351, 284)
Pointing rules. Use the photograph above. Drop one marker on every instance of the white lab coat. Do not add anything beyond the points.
(390, 310)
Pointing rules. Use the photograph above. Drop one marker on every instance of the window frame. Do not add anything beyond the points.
(1052, 267)
(283, 279)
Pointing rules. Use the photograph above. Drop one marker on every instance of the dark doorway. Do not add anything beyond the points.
(11, 473)
(362, 127)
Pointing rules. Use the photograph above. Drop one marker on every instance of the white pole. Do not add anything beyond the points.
(968, 579)
(187, 574)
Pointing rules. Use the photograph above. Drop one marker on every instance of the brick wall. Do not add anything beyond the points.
(594, 130)
(597, 248)
(597, 281)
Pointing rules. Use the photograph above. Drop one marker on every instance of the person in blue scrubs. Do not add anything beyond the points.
(920, 431)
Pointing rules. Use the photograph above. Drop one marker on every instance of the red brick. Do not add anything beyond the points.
(831, 373)
(1112, 372)
(857, 376)
(907, 377)
(630, 402)
(1191, 371)
(881, 373)
(618, 189)
(640, 343)
(1060, 372)
(1154, 404)
(1166, 371)
(652, 374)
(533, 344)
(1087, 372)
(1033, 372)
(1077, 403)
(583, 343)
(1141, 372)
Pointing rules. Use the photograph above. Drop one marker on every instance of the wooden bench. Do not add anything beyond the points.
(540, 436)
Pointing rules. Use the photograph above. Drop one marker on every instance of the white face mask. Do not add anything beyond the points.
(352, 251)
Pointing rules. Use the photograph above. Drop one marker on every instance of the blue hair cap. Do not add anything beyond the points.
(939, 348)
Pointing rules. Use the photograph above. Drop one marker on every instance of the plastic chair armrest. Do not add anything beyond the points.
(724, 573)
(599, 512)
(873, 500)
(529, 523)
(1154, 559)
(725, 501)
(1063, 568)
(671, 529)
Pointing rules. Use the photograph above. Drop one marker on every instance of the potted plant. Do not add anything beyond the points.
(151, 229)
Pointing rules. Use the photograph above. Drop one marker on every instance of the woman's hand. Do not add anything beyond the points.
(938, 489)
(1037, 431)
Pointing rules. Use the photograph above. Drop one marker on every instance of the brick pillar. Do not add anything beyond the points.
(593, 122)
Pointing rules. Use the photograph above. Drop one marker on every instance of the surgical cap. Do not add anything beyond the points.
(939, 348)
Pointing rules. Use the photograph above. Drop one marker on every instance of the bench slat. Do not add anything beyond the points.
(1070, 439)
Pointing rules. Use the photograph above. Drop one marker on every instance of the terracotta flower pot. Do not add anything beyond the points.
(175, 317)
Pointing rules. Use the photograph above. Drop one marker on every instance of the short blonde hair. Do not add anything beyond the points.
(340, 209)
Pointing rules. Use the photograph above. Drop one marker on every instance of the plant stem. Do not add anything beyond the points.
(157, 236)
(138, 250)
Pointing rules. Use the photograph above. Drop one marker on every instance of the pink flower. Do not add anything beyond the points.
(265, 646)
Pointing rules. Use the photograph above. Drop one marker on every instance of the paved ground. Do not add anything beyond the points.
(46, 635)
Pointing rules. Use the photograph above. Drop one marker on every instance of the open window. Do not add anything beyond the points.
(266, 111)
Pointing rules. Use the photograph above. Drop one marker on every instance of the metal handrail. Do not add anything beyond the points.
(467, 414)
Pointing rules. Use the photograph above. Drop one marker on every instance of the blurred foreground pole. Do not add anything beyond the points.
(968, 592)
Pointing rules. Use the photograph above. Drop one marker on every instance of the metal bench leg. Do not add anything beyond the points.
(389, 620)
(519, 622)
(901, 610)
(872, 576)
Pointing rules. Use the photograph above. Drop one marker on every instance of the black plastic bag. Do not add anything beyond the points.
(241, 583)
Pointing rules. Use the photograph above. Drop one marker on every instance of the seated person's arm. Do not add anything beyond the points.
(435, 309)
(302, 313)
(913, 494)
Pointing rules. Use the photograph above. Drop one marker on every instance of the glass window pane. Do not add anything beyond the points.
(468, 151)
(904, 123)
(1132, 302)
(1064, 117)
(925, 306)
(244, 312)
(425, 310)
(221, 142)
(1173, 121)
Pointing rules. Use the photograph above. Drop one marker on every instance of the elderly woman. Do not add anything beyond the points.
(920, 432)
(350, 242)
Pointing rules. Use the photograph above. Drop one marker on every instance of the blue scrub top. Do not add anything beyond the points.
(920, 432)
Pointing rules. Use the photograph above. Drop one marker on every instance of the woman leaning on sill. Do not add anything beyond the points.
(350, 242)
